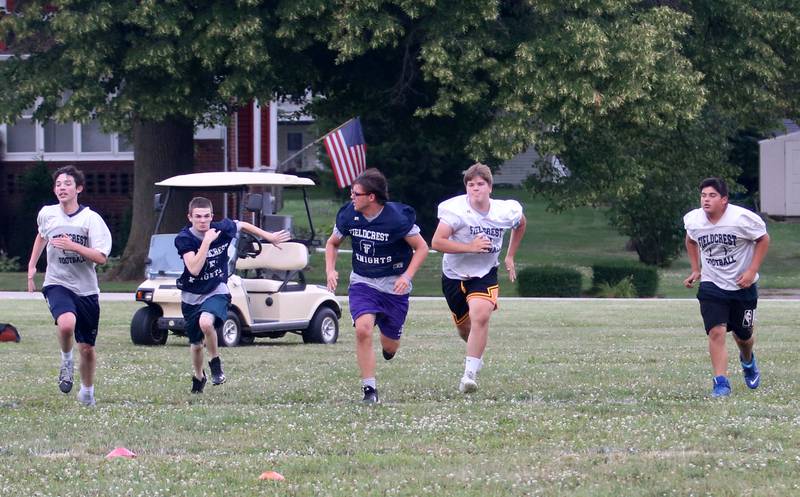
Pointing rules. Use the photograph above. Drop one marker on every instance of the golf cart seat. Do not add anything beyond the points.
(288, 258)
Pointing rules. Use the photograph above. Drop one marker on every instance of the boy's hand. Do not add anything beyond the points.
(211, 235)
(481, 244)
(280, 237)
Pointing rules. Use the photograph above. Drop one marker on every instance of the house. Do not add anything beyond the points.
(779, 172)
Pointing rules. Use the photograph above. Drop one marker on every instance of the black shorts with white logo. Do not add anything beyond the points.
(734, 309)
(459, 292)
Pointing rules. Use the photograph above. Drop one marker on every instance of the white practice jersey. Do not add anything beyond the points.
(468, 223)
(67, 268)
(726, 248)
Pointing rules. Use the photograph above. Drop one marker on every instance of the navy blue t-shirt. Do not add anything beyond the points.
(215, 270)
(379, 246)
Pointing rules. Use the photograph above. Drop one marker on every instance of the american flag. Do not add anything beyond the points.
(347, 151)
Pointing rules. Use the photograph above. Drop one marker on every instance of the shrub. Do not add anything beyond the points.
(624, 289)
(549, 281)
(645, 278)
(8, 264)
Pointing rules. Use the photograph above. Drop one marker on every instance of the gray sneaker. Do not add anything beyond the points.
(65, 376)
(468, 384)
(86, 398)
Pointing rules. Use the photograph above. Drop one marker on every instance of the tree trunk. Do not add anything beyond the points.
(161, 150)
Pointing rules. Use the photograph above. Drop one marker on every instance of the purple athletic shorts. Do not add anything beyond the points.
(389, 309)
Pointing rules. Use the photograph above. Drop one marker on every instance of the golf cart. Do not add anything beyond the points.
(269, 293)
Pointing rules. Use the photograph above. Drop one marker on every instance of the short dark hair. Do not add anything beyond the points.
(374, 182)
(716, 183)
(70, 170)
(200, 203)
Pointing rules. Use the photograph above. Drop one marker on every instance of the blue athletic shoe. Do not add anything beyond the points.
(752, 376)
(721, 387)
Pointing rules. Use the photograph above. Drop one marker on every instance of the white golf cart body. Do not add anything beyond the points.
(269, 294)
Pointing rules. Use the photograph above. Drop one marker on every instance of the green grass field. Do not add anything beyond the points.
(576, 238)
(589, 398)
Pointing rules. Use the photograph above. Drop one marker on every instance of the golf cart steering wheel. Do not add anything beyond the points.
(249, 246)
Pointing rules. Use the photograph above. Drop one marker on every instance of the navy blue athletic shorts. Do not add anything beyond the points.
(86, 310)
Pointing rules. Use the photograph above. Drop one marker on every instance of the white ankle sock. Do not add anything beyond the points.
(90, 389)
(66, 356)
(368, 382)
(471, 366)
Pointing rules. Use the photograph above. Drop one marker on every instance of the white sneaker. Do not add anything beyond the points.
(65, 376)
(467, 384)
(86, 398)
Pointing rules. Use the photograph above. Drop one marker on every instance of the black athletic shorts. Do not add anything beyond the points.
(459, 292)
(735, 309)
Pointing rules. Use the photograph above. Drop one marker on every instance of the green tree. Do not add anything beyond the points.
(746, 54)
(625, 91)
(153, 68)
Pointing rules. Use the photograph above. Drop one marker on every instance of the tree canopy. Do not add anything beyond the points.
(638, 98)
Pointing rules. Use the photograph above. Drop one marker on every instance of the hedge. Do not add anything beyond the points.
(549, 281)
(645, 278)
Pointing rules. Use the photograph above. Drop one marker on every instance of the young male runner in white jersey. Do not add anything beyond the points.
(470, 233)
(728, 243)
(77, 239)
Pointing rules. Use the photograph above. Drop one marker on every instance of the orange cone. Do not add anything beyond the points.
(120, 452)
(271, 475)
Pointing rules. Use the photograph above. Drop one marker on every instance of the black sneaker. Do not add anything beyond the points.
(217, 376)
(370, 395)
(198, 385)
(388, 355)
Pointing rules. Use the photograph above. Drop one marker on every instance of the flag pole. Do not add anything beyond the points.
(312, 144)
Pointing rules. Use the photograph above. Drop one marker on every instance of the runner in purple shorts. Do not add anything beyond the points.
(387, 251)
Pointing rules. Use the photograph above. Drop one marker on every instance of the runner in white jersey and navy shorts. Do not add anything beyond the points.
(726, 245)
(387, 251)
(77, 239)
(470, 234)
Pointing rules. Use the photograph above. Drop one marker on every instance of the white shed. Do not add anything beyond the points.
(779, 175)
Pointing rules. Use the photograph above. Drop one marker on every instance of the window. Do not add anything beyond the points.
(89, 183)
(294, 141)
(124, 183)
(93, 139)
(125, 143)
(57, 137)
(21, 136)
(101, 183)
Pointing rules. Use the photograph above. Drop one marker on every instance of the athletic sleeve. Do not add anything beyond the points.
(413, 231)
(99, 235)
(448, 216)
(227, 227)
(689, 225)
(513, 213)
(753, 225)
(40, 222)
(184, 244)
(336, 233)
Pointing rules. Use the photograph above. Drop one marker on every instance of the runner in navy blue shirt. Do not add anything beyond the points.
(203, 246)
(387, 252)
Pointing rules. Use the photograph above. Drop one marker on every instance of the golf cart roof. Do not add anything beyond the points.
(234, 178)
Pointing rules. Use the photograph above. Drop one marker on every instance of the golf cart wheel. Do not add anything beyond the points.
(230, 333)
(324, 327)
(144, 327)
